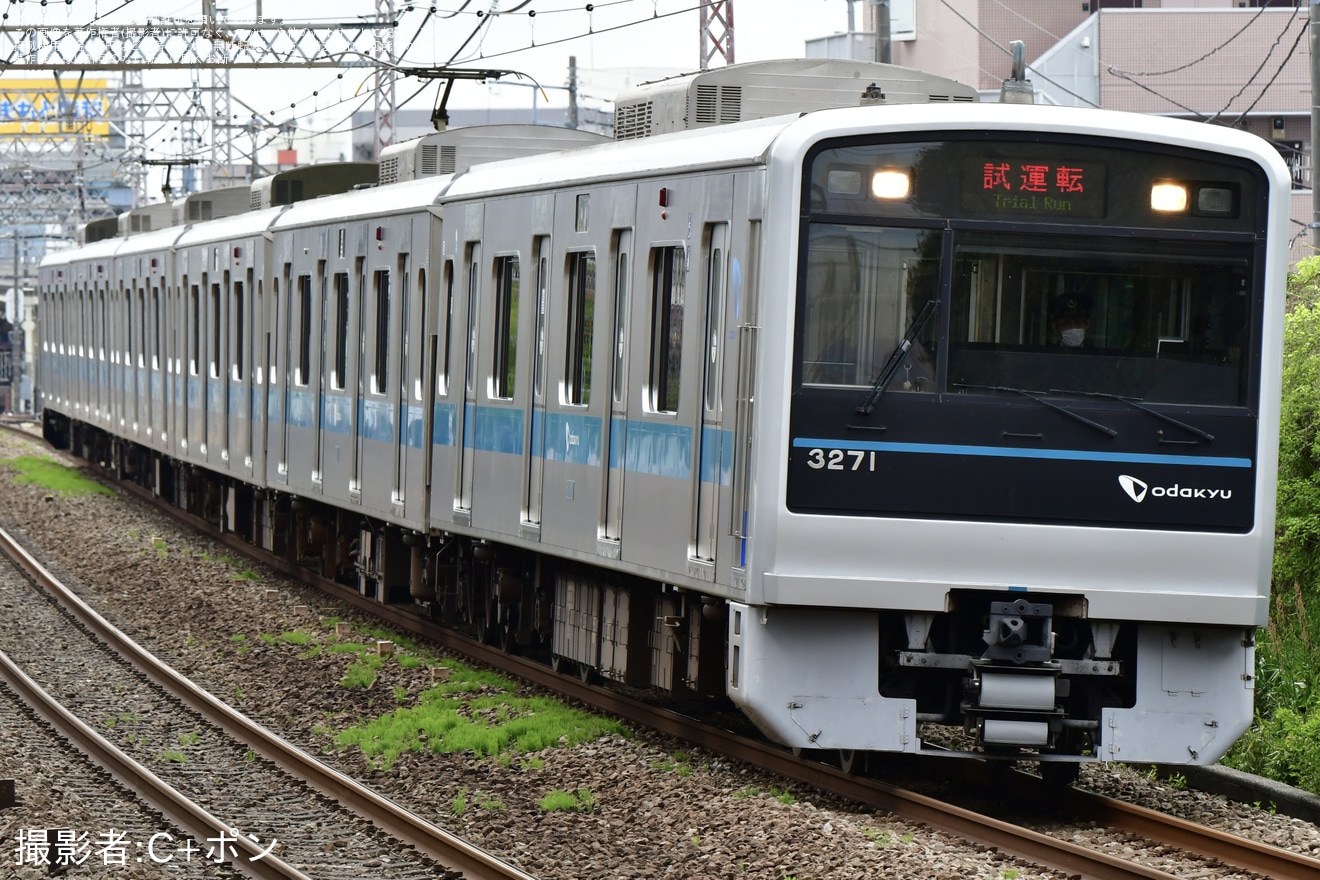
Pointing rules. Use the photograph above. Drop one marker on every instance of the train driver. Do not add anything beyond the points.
(1070, 319)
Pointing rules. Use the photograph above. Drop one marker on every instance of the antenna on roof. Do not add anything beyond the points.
(1018, 89)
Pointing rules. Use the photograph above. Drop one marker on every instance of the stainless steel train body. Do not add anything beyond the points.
(629, 405)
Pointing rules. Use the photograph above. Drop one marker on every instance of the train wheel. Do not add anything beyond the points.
(852, 761)
(507, 638)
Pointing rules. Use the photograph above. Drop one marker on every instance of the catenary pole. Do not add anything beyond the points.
(1315, 122)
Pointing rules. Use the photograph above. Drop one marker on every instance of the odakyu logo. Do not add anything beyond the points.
(1137, 490)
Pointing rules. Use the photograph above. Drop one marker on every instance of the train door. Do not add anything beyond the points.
(142, 412)
(536, 423)
(159, 368)
(318, 403)
(616, 437)
(193, 358)
(401, 380)
(284, 350)
(466, 439)
(239, 398)
(359, 371)
(710, 454)
(218, 418)
(257, 403)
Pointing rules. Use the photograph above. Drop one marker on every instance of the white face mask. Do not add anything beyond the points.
(1073, 337)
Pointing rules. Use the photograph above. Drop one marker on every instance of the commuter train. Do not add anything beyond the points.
(913, 417)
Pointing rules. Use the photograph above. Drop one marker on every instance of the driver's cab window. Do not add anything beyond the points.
(866, 287)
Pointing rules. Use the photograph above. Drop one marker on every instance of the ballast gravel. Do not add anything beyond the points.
(652, 807)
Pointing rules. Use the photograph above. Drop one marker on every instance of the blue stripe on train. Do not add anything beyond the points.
(998, 452)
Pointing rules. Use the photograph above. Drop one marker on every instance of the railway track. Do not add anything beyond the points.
(453, 855)
(1005, 837)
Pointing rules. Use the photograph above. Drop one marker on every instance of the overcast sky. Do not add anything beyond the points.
(617, 43)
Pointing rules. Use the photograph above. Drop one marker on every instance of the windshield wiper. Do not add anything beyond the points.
(896, 357)
(1039, 397)
(1135, 403)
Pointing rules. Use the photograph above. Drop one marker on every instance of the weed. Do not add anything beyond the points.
(532, 763)
(313, 651)
(490, 803)
(581, 801)
(358, 675)
(696, 840)
(296, 637)
(459, 806)
(411, 661)
(1009, 874)
(679, 762)
(400, 694)
(50, 474)
(173, 757)
(750, 791)
(190, 739)
(238, 637)
(238, 693)
(268, 638)
(783, 797)
(878, 837)
(250, 756)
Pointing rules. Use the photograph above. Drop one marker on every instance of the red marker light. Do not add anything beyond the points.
(664, 197)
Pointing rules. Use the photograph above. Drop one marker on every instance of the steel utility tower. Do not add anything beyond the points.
(206, 43)
(716, 31)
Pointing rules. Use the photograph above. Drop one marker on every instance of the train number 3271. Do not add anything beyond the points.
(841, 459)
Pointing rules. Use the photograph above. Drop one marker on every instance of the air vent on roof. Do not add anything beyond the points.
(199, 210)
(140, 222)
(718, 104)
(448, 158)
(254, 199)
(428, 168)
(632, 120)
(389, 170)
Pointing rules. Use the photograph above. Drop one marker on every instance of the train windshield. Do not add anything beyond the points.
(1162, 322)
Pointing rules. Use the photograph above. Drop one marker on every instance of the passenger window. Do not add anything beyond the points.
(304, 373)
(581, 323)
(338, 375)
(380, 376)
(667, 265)
(506, 327)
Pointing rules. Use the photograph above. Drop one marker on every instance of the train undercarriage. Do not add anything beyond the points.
(580, 619)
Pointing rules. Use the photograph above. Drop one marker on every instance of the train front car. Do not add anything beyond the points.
(1023, 482)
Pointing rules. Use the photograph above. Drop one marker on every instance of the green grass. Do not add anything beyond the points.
(360, 674)
(296, 637)
(580, 801)
(679, 762)
(173, 757)
(50, 474)
(475, 711)
(190, 739)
